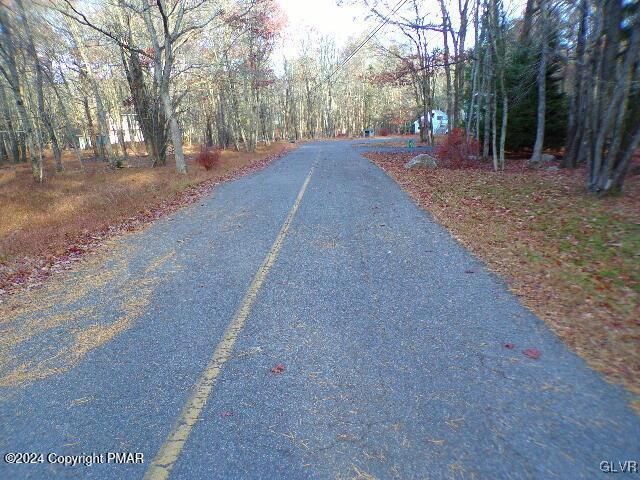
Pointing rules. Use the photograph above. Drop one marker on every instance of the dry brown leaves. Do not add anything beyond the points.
(30, 270)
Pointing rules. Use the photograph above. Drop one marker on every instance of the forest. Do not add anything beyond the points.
(103, 80)
(349, 239)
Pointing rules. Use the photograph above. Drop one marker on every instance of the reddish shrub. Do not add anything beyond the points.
(384, 132)
(208, 157)
(457, 152)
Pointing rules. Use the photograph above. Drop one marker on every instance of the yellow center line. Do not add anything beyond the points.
(161, 466)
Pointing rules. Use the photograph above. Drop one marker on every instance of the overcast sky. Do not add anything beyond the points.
(342, 22)
(322, 15)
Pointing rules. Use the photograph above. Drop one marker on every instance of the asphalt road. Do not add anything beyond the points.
(389, 334)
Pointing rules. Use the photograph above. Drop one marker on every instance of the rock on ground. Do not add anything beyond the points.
(545, 158)
(421, 161)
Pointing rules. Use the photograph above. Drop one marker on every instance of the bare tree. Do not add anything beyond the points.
(605, 118)
(9, 69)
(39, 86)
(9, 127)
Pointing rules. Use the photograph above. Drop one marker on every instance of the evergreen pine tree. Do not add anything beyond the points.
(521, 80)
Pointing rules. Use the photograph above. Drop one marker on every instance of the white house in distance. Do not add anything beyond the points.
(440, 122)
(130, 128)
(128, 124)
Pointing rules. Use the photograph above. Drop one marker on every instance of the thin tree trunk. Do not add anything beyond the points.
(13, 78)
(67, 125)
(86, 71)
(494, 130)
(536, 157)
(11, 134)
(4, 154)
(488, 102)
(39, 86)
(505, 116)
(447, 67)
(93, 135)
(578, 107)
(460, 65)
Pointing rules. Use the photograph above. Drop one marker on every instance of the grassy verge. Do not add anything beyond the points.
(572, 258)
(77, 209)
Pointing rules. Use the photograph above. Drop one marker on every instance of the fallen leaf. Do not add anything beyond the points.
(278, 368)
(533, 353)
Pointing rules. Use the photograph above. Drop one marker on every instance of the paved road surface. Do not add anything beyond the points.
(393, 356)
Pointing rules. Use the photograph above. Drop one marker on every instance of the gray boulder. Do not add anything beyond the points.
(545, 158)
(421, 161)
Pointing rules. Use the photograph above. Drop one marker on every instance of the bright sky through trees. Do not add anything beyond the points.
(348, 20)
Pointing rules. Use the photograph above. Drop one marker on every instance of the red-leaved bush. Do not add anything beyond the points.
(457, 152)
(384, 132)
(208, 157)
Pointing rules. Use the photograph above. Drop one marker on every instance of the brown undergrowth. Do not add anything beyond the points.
(572, 258)
(46, 227)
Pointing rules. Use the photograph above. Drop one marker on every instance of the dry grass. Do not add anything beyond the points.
(574, 259)
(43, 219)
(69, 315)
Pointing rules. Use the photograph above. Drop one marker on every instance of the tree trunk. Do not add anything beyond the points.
(488, 102)
(67, 126)
(527, 20)
(104, 145)
(39, 86)
(93, 135)
(4, 154)
(22, 144)
(460, 65)
(176, 133)
(536, 157)
(11, 134)
(447, 67)
(37, 169)
(149, 117)
(578, 106)
(494, 130)
(13, 79)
